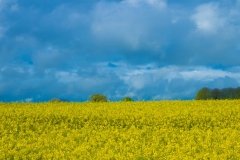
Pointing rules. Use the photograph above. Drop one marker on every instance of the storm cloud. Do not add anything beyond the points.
(146, 49)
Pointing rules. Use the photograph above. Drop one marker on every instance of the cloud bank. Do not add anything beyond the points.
(146, 49)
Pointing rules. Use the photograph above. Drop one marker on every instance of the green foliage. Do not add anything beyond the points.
(228, 93)
(237, 93)
(216, 94)
(58, 100)
(54, 100)
(127, 99)
(203, 94)
(225, 93)
(98, 98)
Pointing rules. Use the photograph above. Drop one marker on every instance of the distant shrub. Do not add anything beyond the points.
(225, 93)
(54, 100)
(237, 93)
(127, 99)
(58, 100)
(98, 98)
(216, 94)
(203, 94)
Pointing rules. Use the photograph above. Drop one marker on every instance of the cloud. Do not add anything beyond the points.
(130, 24)
(135, 31)
(224, 82)
(175, 82)
(139, 82)
(213, 40)
(155, 3)
(146, 49)
(207, 17)
(2, 31)
(4, 4)
(28, 100)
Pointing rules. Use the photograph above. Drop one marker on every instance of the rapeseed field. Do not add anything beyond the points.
(121, 130)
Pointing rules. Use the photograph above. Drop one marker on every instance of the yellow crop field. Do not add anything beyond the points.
(121, 130)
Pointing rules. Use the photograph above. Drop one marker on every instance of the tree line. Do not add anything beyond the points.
(203, 94)
(93, 98)
(225, 93)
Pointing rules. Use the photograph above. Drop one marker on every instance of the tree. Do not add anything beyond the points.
(228, 93)
(54, 100)
(127, 99)
(58, 100)
(98, 98)
(237, 92)
(216, 94)
(203, 94)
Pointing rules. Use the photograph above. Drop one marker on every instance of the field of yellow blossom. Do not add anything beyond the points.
(121, 130)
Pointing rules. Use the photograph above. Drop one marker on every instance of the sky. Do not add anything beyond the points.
(144, 49)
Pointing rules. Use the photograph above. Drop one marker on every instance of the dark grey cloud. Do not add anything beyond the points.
(200, 36)
(170, 82)
(147, 49)
(135, 31)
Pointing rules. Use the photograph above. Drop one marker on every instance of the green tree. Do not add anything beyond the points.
(58, 100)
(54, 100)
(127, 99)
(98, 98)
(228, 93)
(203, 94)
(237, 91)
(216, 94)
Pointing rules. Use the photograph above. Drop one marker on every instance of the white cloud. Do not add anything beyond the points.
(28, 99)
(139, 76)
(140, 80)
(3, 24)
(129, 22)
(2, 31)
(156, 3)
(208, 74)
(14, 8)
(66, 77)
(65, 18)
(4, 4)
(115, 22)
(207, 17)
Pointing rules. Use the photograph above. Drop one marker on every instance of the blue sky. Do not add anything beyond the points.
(145, 49)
